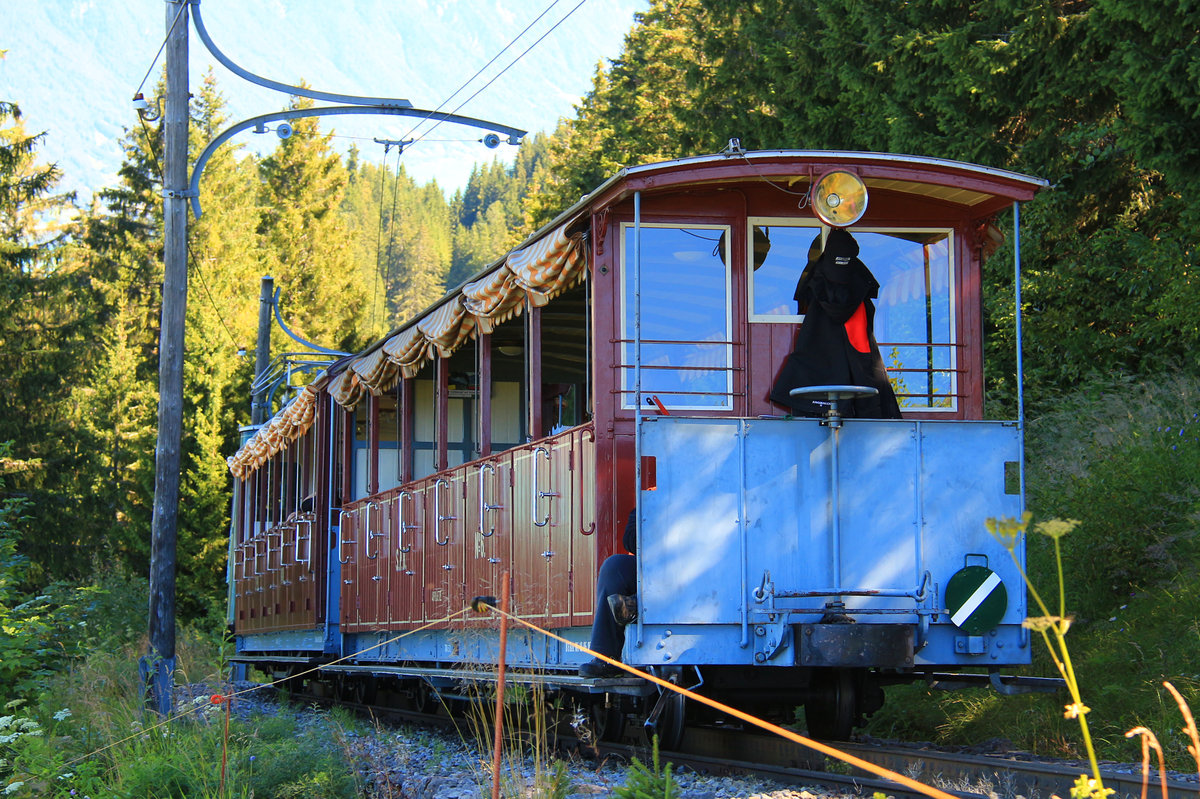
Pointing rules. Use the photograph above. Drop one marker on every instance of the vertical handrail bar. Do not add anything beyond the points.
(537, 495)
(369, 535)
(484, 507)
(342, 541)
(401, 526)
(1020, 360)
(637, 388)
(438, 518)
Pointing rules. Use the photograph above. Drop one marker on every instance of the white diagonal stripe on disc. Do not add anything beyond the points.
(976, 599)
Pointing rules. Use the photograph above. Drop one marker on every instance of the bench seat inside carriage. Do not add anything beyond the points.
(623, 357)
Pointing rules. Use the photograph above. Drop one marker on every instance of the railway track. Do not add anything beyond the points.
(731, 750)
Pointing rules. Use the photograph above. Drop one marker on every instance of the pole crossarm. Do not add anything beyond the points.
(302, 91)
(514, 134)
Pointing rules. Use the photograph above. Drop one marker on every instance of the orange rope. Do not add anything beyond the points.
(766, 725)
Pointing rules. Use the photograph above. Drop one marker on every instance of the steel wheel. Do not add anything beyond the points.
(832, 706)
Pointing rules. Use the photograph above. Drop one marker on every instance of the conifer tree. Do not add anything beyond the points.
(305, 239)
(44, 302)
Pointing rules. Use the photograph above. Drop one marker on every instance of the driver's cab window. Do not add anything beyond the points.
(914, 312)
(684, 330)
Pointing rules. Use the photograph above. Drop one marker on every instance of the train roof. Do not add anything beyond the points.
(551, 259)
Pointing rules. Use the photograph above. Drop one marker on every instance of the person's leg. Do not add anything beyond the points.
(618, 575)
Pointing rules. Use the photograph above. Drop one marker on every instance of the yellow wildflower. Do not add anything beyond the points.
(1056, 528)
(1075, 710)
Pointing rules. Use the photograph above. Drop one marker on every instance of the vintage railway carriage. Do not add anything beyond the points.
(624, 355)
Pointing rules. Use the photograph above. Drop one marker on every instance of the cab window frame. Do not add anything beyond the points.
(726, 401)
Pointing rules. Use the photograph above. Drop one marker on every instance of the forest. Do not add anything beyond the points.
(1100, 97)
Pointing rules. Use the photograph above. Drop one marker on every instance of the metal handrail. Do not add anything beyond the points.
(401, 526)
(438, 518)
(538, 495)
(484, 507)
(341, 542)
(369, 534)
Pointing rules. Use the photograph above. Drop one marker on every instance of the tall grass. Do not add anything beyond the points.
(91, 735)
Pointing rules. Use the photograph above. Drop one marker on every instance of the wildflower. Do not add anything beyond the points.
(62, 714)
(1075, 710)
(1042, 623)
(1088, 788)
(13, 787)
(1056, 528)
(5, 721)
(216, 699)
(1007, 529)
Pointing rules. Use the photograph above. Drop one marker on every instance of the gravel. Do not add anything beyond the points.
(410, 763)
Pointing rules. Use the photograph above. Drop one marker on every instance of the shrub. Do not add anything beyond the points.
(1120, 456)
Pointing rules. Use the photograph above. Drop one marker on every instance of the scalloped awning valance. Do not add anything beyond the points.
(537, 273)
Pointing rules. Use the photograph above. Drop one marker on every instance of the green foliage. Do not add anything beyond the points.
(91, 735)
(1120, 455)
(648, 782)
(1087, 95)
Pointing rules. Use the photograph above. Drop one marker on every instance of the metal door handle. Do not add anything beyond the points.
(438, 518)
(367, 538)
(483, 506)
(537, 495)
(401, 526)
(342, 541)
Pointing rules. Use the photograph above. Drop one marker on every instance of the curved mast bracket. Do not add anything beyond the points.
(351, 104)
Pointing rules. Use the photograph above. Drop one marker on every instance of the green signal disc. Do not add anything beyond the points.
(976, 599)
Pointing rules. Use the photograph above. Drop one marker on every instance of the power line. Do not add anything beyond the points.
(479, 72)
(526, 52)
(174, 22)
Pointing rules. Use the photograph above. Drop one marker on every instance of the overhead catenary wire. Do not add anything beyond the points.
(500, 73)
(379, 232)
(182, 5)
(480, 71)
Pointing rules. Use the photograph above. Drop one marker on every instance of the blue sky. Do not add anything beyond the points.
(74, 65)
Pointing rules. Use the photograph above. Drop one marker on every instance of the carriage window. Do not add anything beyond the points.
(914, 316)
(389, 463)
(462, 406)
(424, 421)
(779, 253)
(686, 332)
(914, 313)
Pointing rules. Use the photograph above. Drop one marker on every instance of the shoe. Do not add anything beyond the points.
(597, 669)
(624, 608)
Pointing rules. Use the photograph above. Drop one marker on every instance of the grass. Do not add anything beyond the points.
(98, 739)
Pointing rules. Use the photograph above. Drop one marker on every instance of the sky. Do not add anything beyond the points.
(73, 67)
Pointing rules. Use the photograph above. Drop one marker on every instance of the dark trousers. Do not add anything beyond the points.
(618, 575)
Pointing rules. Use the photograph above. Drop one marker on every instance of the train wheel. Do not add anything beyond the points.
(832, 706)
(667, 715)
(607, 719)
(362, 690)
(423, 698)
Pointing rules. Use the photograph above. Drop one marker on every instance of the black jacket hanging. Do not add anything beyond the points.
(836, 342)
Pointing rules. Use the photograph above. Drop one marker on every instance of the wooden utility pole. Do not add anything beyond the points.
(159, 665)
(262, 352)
